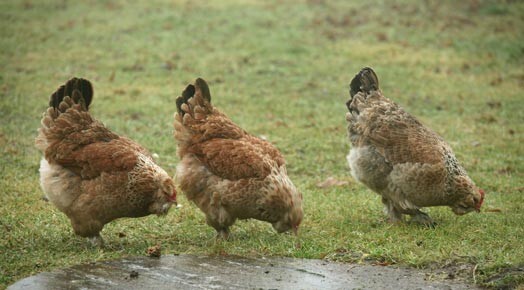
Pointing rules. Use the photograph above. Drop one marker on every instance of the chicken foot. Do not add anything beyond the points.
(421, 218)
(96, 241)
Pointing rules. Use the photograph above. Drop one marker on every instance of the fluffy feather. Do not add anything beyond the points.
(228, 173)
(90, 173)
(405, 162)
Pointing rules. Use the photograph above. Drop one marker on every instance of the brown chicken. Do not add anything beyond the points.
(227, 172)
(408, 164)
(91, 174)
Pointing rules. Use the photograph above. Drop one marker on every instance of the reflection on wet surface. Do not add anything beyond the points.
(203, 272)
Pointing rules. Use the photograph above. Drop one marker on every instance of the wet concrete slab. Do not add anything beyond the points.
(203, 272)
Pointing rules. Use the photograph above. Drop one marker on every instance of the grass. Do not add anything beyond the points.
(279, 69)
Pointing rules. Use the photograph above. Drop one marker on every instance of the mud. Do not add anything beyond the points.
(203, 272)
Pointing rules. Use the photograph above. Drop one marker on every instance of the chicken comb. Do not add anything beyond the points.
(479, 204)
(80, 90)
(173, 196)
(365, 81)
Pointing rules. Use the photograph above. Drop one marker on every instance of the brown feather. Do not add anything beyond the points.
(227, 172)
(394, 154)
(92, 174)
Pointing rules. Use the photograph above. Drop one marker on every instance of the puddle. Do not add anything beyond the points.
(203, 272)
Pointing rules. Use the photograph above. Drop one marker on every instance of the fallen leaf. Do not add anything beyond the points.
(331, 181)
(119, 92)
(112, 76)
(493, 210)
(168, 65)
(494, 104)
(154, 251)
(488, 118)
(497, 81)
(381, 36)
(505, 170)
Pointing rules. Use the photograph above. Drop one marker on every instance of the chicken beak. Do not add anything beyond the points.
(295, 231)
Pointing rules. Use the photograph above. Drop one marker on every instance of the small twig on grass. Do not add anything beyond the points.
(474, 276)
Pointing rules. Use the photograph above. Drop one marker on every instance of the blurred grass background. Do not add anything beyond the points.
(279, 69)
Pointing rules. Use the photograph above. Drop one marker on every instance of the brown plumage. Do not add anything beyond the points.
(227, 172)
(408, 164)
(90, 173)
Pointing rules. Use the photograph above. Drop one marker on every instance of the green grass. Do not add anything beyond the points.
(279, 69)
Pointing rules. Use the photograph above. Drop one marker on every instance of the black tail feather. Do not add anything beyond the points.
(190, 91)
(186, 95)
(79, 89)
(365, 81)
(204, 89)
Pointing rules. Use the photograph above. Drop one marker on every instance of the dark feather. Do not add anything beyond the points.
(365, 81)
(204, 89)
(186, 95)
(84, 93)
